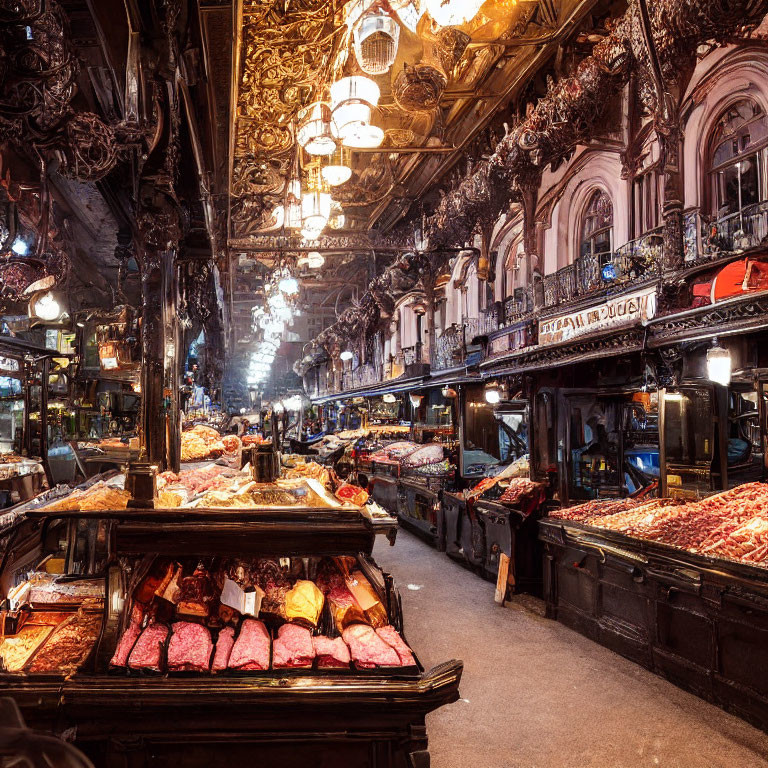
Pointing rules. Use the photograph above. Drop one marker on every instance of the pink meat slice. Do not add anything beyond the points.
(391, 636)
(332, 653)
(190, 647)
(147, 653)
(251, 649)
(126, 643)
(293, 647)
(223, 649)
(368, 650)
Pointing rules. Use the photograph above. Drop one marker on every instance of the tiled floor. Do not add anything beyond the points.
(537, 695)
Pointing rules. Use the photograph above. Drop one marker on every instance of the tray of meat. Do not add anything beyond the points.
(190, 648)
(293, 648)
(251, 651)
(332, 653)
(68, 648)
(148, 653)
(372, 653)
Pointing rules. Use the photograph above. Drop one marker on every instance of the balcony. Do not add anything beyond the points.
(737, 232)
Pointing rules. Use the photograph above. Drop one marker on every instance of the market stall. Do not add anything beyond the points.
(680, 588)
(258, 620)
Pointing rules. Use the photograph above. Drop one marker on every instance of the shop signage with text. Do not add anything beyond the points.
(632, 309)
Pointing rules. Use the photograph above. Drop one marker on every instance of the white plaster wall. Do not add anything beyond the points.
(561, 241)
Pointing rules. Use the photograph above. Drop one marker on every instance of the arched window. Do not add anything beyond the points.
(737, 168)
(597, 226)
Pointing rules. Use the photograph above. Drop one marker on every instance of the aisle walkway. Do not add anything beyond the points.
(537, 695)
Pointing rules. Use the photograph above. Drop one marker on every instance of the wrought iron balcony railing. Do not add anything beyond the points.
(739, 231)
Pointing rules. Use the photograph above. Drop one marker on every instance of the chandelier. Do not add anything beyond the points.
(453, 13)
(376, 38)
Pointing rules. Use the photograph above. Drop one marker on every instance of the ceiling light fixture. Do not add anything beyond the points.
(453, 13)
(337, 171)
(376, 38)
(315, 129)
(352, 99)
(315, 260)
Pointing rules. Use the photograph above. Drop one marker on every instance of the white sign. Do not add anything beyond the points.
(626, 310)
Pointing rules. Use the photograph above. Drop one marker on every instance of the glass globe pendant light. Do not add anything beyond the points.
(337, 171)
(315, 260)
(376, 38)
(315, 129)
(352, 99)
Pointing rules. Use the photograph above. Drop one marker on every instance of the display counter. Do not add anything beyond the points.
(699, 620)
(128, 708)
(20, 479)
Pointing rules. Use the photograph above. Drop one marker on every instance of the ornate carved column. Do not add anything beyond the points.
(158, 242)
(665, 94)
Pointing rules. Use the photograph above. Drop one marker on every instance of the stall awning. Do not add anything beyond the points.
(382, 388)
(14, 347)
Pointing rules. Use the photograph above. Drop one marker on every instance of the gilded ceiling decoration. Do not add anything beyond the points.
(285, 51)
(288, 55)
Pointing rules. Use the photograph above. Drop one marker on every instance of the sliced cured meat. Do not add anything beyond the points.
(392, 637)
(224, 647)
(367, 649)
(331, 653)
(190, 648)
(147, 652)
(293, 647)
(252, 647)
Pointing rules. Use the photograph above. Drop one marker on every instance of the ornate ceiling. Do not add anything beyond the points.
(444, 86)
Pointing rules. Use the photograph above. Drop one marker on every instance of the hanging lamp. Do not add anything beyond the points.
(453, 13)
(315, 134)
(337, 171)
(352, 99)
(375, 38)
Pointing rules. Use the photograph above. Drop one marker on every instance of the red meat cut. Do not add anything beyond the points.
(223, 649)
(147, 653)
(391, 636)
(127, 641)
(331, 653)
(190, 648)
(368, 650)
(251, 649)
(293, 647)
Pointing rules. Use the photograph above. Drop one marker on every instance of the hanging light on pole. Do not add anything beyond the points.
(718, 364)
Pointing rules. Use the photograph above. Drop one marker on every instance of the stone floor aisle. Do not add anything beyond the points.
(537, 695)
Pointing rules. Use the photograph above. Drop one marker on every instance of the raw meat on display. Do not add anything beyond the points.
(127, 641)
(293, 647)
(367, 649)
(251, 649)
(391, 636)
(732, 524)
(331, 653)
(224, 646)
(190, 648)
(147, 653)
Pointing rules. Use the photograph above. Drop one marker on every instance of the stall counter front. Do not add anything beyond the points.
(699, 620)
(131, 645)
